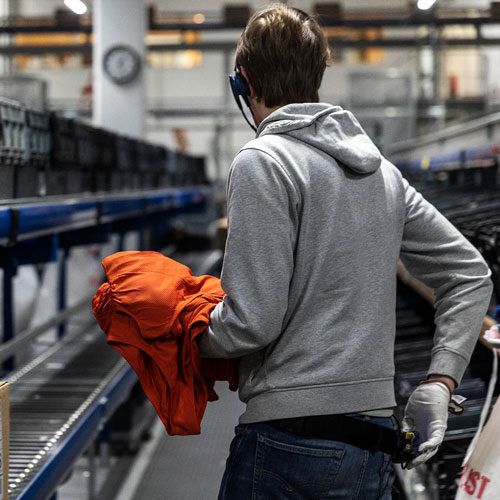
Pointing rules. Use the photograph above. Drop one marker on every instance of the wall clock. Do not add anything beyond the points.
(122, 64)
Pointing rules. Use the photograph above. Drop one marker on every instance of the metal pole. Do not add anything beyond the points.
(8, 348)
(8, 312)
(104, 445)
(436, 44)
(61, 282)
(121, 242)
(91, 471)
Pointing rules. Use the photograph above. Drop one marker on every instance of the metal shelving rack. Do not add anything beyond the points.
(63, 398)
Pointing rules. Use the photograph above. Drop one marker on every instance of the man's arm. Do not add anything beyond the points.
(258, 259)
(435, 252)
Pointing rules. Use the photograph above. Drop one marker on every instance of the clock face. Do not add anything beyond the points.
(122, 64)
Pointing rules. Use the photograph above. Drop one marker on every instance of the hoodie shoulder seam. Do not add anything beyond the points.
(282, 168)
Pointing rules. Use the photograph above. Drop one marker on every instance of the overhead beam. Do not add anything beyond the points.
(338, 43)
(396, 22)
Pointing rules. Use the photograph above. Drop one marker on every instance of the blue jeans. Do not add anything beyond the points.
(269, 464)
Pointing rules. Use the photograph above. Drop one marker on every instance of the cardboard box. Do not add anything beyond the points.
(4, 436)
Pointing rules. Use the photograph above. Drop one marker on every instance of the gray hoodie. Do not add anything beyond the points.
(317, 222)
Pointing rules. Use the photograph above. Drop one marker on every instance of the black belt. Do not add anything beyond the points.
(360, 433)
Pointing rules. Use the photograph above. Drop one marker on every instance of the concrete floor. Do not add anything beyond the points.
(191, 467)
(166, 467)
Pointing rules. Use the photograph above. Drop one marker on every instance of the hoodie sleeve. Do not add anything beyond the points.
(258, 259)
(436, 253)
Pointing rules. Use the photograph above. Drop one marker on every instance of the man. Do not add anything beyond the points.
(318, 220)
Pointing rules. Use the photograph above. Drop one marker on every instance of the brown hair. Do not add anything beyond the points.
(284, 54)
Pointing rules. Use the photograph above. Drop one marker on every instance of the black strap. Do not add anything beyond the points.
(360, 433)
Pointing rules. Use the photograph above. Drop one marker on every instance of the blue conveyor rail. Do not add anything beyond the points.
(476, 157)
(23, 221)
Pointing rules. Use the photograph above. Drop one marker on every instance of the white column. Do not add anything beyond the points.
(118, 107)
(6, 9)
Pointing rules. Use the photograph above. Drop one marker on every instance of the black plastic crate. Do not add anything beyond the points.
(63, 151)
(56, 181)
(160, 167)
(143, 164)
(164, 174)
(106, 160)
(13, 147)
(181, 170)
(142, 155)
(200, 170)
(87, 146)
(106, 146)
(30, 181)
(38, 137)
(125, 153)
(7, 181)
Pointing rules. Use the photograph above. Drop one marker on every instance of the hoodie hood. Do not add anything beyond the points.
(328, 128)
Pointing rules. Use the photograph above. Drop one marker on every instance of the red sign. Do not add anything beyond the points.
(473, 482)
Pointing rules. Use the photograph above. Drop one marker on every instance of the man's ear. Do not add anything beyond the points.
(244, 73)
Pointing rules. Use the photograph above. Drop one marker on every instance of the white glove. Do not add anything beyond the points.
(427, 412)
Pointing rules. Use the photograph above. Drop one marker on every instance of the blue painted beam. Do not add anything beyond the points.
(42, 218)
(5, 224)
(159, 201)
(111, 209)
(26, 221)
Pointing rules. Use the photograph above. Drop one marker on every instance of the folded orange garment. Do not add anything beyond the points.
(152, 309)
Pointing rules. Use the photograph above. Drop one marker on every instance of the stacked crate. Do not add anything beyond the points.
(44, 153)
(63, 176)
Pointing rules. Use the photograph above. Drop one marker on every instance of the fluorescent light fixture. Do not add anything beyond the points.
(425, 4)
(77, 6)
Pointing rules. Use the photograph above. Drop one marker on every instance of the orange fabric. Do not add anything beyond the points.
(152, 309)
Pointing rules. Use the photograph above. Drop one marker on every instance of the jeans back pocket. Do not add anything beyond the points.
(293, 471)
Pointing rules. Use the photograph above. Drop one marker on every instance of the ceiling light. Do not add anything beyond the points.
(425, 4)
(77, 6)
(198, 19)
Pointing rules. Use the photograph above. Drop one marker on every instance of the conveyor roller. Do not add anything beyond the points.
(50, 399)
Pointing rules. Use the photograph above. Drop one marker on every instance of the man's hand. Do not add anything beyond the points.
(427, 412)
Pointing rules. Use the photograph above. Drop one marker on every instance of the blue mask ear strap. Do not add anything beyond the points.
(240, 89)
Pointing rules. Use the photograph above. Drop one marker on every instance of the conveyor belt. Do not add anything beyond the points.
(414, 332)
(51, 399)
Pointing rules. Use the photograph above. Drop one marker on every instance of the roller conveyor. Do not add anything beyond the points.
(412, 358)
(58, 403)
(477, 215)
